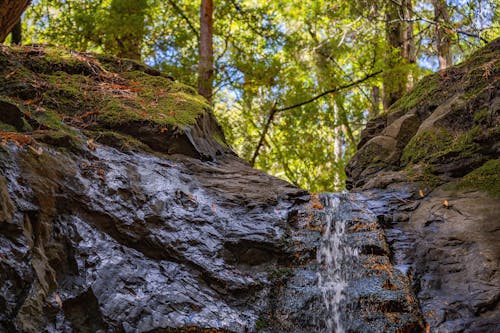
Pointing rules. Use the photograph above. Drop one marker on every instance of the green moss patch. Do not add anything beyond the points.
(435, 144)
(121, 142)
(485, 178)
(425, 91)
(153, 99)
(61, 92)
(423, 174)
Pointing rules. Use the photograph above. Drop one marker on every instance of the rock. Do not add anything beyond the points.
(447, 123)
(100, 94)
(438, 200)
(6, 205)
(11, 115)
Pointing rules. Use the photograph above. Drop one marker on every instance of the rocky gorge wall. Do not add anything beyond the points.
(434, 160)
(122, 209)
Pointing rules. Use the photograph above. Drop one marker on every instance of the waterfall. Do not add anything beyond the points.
(337, 259)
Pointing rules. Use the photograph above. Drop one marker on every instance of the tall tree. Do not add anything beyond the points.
(399, 35)
(124, 29)
(443, 38)
(206, 50)
(17, 33)
(10, 13)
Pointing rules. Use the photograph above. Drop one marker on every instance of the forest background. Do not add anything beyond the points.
(292, 83)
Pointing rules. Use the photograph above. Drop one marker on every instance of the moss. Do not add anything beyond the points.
(423, 174)
(157, 99)
(58, 138)
(121, 142)
(485, 178)
(420, 94)
(51, 121)
(482, 116)
(69, 93)
(434, 144)
(62, 92)
(52, 59)
(7, 128)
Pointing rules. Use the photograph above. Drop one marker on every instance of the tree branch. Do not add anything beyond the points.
(270, 119)
(331, 91)
(420, 18)
(275, 110)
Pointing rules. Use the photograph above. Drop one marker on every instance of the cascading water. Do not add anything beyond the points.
(337, 259)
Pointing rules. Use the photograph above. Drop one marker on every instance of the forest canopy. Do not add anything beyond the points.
(291, 82)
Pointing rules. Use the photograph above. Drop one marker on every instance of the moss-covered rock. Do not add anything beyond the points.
(447, 126)
(486, 178)
(61, 92)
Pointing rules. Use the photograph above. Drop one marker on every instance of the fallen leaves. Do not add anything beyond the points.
(94, 169)
(17, 138)
(91, 144)
(315, 202)
(446, 204)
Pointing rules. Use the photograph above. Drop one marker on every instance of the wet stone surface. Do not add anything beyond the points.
(106, 241)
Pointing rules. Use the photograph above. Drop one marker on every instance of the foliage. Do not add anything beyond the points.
(274, 54)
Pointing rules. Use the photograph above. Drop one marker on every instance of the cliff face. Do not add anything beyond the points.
(434, 158)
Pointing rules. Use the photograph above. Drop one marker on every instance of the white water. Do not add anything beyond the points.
(337, 259)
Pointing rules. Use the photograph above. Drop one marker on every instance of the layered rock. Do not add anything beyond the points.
(434, 160)
(122, 209)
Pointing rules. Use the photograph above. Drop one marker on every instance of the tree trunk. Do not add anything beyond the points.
(399, 35)
(443, 40)
(10, 13)
(337, 145)
(408, 49)
(17, 34)
(125, 30)
(206, 52)
(375, 101)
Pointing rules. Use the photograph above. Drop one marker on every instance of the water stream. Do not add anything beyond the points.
(338, 259)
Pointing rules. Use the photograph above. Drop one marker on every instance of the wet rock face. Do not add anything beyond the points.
(450, 252)
(136, 243)
(106, 241)
(352, 286)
